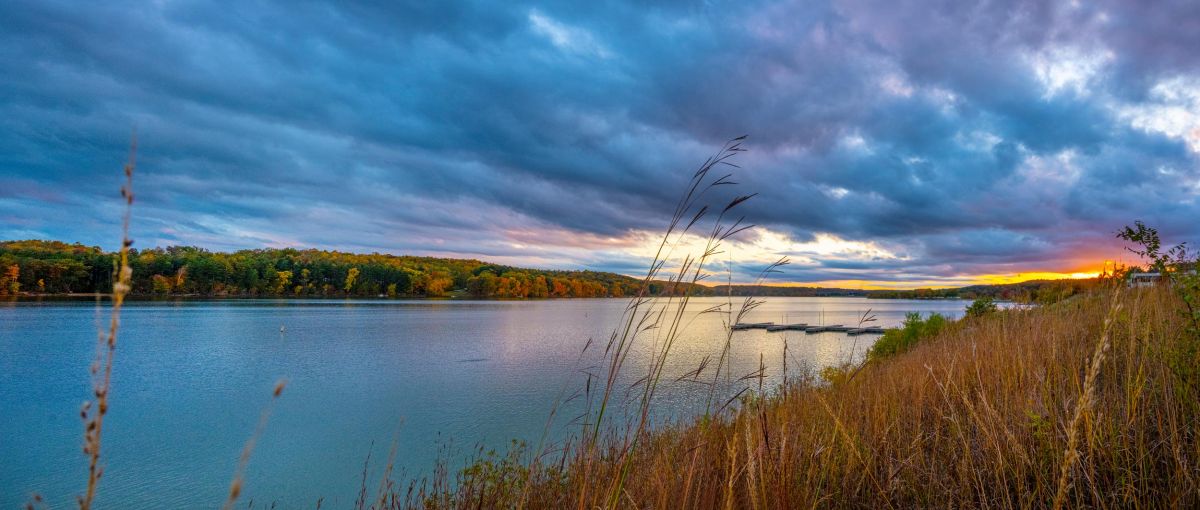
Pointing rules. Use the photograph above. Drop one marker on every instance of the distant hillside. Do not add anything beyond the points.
(783, 291)
(1038, 291)
(1047, 291)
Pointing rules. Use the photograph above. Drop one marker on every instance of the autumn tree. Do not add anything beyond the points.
(539, 289)
(282, 280)
(351, 276)
(161, 284)
(11, 282)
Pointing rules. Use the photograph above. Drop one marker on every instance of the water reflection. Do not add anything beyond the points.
(191, 377)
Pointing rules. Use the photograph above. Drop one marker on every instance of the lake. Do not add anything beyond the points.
(192, 377)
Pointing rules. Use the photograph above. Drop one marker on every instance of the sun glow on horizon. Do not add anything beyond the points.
(951, 282)
(838, 263)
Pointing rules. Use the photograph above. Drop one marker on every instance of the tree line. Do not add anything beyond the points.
(53, 267)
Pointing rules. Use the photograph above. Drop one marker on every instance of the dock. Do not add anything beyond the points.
(753, 325)
(838, 328)
(865, 331)
(786, 327)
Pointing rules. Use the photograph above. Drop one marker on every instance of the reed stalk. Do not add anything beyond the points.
(94, 411)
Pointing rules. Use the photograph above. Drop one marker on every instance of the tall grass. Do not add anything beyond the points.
(660, 321)
(1084, 404)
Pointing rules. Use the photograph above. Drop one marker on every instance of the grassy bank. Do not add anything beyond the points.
(980, 415)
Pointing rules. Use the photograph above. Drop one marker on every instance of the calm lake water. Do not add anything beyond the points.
(192, 377)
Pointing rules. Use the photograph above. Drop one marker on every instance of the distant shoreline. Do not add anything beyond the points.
(37, 269)
(80, 296)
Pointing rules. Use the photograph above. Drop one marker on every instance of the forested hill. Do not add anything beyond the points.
(53, 267)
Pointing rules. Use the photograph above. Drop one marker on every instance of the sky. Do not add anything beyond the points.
(891, 143)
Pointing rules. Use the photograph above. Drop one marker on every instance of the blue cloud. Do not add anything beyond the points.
(451, 128)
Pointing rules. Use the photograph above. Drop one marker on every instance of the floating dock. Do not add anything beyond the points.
(753, 325)
(865, 331)
(771, 326)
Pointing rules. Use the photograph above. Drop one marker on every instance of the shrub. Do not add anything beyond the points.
(981, 307)
(836, 374)
(914, 329)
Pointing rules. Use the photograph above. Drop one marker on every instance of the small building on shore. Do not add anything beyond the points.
(1144, 279)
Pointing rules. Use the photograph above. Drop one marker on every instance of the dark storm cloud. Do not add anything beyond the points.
(963, 137)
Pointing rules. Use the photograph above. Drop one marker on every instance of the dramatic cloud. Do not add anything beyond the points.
(890, 141)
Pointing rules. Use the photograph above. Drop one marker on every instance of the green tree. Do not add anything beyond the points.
(1149, 246)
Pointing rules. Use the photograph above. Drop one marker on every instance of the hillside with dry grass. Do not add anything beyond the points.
(1091, 402)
